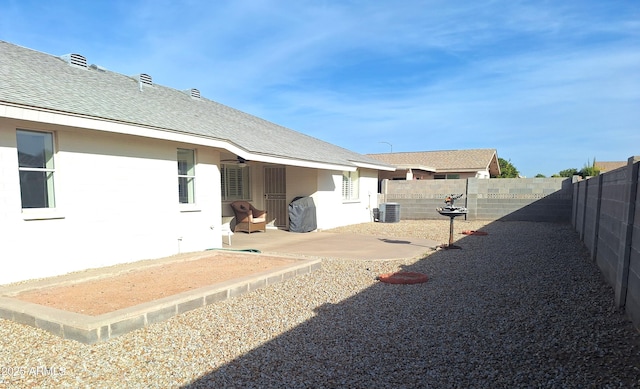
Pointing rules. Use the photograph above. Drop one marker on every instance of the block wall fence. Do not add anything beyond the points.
(604, 210)
(606, 214)
(524, 199)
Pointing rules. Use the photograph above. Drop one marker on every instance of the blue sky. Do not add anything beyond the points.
(550, 84)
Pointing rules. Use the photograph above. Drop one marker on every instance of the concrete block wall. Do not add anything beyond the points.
(578, 202)
(606, 213)
(632, 302)
(534, 199)
(611, 222)
(419, 199)
(590, 219)
(586, 210)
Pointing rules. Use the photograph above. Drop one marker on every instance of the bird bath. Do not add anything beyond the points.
(452, 212)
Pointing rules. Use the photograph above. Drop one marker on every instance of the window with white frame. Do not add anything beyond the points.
(235, 182)
(350, 187)
(446, 176)
(36, 168)
(186, 176)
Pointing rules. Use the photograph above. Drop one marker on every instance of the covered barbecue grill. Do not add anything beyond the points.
(302, 215)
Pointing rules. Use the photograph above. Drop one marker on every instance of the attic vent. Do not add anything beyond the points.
(145, 79)
(194, 93)
(97, 67)
(75, 59)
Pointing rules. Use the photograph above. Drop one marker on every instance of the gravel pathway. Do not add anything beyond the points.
(521, 307)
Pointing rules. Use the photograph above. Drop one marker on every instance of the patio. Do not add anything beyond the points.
(326, 244)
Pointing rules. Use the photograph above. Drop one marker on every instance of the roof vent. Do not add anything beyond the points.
(98, 67)
(193, 93)
(144, 79)
(75, 59)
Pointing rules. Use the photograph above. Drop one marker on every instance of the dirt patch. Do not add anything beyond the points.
(137, 286)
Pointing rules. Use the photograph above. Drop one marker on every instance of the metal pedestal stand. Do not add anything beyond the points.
(452, 212)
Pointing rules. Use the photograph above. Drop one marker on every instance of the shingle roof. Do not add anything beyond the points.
(38, 80)
(607, 166)
(444, 160)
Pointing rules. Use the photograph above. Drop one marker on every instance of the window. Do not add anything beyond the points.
(35, 165)
(186, 176)
(446, 176)
(235, 182)
(350, 190)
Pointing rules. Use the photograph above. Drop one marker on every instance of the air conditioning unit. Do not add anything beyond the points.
(389, 212)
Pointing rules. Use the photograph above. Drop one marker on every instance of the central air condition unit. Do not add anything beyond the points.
(389, 212)
(381, 211)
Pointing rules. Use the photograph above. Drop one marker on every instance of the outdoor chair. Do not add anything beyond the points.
(248, 217)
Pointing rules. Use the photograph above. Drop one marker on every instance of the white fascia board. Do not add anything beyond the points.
(38, 115)
(417, 167)
(365, 165)
(465, 170)
(493, 157)
(295, 162)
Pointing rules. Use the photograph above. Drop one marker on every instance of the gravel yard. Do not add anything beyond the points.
(521, 307)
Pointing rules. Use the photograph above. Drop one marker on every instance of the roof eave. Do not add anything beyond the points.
(41, 115)
(416, 167)
(365, 165)
(465, 170)
(272, 159)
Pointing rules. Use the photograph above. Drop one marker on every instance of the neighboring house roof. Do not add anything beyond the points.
(39, 81)
(444, 161)
(610, 165)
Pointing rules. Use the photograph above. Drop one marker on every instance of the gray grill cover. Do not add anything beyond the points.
(302, 215)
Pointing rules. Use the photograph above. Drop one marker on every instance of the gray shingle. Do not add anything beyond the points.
(442, 160)
(36, 79)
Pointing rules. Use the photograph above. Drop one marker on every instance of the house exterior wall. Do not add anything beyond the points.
(325, 187)
(116, 201)
(301, 182)
(333, 211)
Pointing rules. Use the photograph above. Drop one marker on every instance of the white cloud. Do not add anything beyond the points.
(523, 76)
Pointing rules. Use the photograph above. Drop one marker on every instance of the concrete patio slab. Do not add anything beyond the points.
(331, 245)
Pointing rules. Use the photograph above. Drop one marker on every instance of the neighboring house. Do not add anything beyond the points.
(609, 165)
(99, 168)
(444, 164)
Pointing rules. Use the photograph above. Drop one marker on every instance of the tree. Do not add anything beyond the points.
(540, 175)
(568, 172)
(589, 171)
(507, 170)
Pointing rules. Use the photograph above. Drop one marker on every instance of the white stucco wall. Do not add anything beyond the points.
(301, 182)
(116, 201)
(333, 211)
